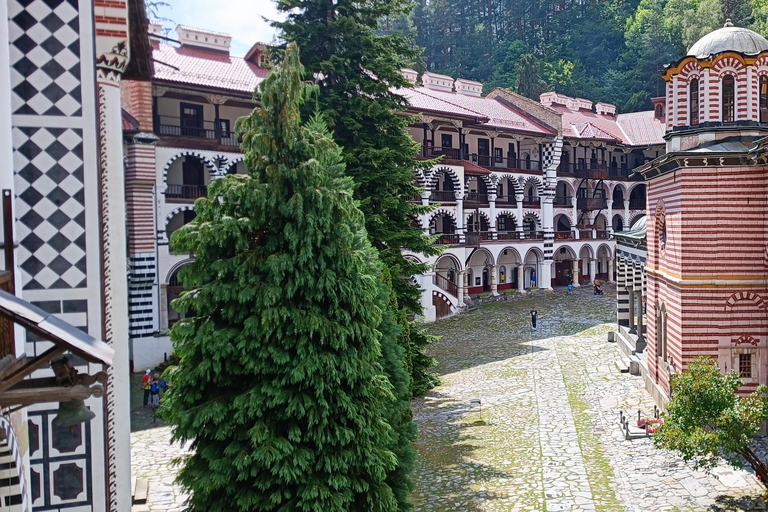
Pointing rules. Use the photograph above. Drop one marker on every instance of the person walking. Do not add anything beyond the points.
(570, 287)
(534, 314)
(146, 379)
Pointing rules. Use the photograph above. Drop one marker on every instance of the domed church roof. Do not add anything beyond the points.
(729, 39)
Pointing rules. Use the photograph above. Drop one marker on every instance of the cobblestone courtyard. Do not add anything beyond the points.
(544, 435)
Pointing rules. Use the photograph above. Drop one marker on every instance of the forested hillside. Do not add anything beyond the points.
(602, 50)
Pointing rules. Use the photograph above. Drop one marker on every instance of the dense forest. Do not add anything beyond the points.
(602, 50)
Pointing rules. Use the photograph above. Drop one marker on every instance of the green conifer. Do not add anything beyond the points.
(280, 385)
(358, 71)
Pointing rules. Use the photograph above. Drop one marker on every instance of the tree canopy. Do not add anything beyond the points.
(603, 50)
(290, 383)
(706, 419)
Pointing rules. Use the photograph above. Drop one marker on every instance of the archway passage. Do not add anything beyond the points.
(172, 292)
(188, 178)
(637, 198)
(563, 258)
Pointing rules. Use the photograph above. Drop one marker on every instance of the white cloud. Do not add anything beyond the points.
(243, 19)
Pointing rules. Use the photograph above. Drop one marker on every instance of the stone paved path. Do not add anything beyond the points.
(545, 436)
(523, 421)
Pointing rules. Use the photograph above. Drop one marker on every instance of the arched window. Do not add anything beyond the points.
(661, 332)
(659, 111)
(764, 99)
(694, 105)
(728, 93)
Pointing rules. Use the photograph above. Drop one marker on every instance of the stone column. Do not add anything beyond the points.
(622, 302)
(462, 287)
(574, 203)
(459, 213)
(519, 199)
(576, 272)
(609, 223)
(521, 278)
(626, 215)
(492, 213)
(425, 195)
(494, 282)
(640, 327)
(592, 269)
(630, 292)
(610, 270)
(112, 58)
(545, 279)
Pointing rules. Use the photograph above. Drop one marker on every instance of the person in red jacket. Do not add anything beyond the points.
(146, 380)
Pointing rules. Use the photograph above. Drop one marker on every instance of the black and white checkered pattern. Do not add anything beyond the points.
(141, 306)
(45, 57)
(551, 151)
(50, 207)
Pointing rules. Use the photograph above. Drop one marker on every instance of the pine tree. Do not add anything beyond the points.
(280, 385)
(358, 72)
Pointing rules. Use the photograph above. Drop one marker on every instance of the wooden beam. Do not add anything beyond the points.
(50, 394)
(30, 366)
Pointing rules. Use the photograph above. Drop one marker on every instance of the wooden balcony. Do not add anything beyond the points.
(476, 198)
(447, 239)
(443, 196)
(564, 235)
(169, 126)
(185, 193)
(531, 202)
(446, 284)
(591, 203)
(566, 201)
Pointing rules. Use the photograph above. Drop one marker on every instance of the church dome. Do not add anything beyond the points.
(729, 39)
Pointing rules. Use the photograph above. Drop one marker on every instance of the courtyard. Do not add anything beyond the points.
(524, 420)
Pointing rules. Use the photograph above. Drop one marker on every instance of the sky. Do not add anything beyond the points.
(242, 19)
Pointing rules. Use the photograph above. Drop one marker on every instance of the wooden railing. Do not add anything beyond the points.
(563, 201)
(446, 284)
(185, 192)
(591, 203)
(443, 196)
(531, 202)
(474, 197)
(447, 239)
(564, 235)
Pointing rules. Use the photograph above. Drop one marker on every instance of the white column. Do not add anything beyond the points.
(462, 287)
(492, 212)
(545, 279)
(425, 216)
(519, 199)
(575, 272)
(494, 281)
(520, 278)
(704, 98)
(626, 214)
(592, 269)
(610, 270)
(459, 213)
(115, 287)
(750, 95)
(609, 223)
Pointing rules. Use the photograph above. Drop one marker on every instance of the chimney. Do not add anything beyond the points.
(605, 109)
(437, 82)
(155, 30)
(203, 39)
(410, 74)
(659, 107)
(468, 87)
(577, 104)
(552, 98)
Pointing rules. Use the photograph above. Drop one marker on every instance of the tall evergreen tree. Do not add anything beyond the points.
(358, 73)
(528, 81)
(280, 385)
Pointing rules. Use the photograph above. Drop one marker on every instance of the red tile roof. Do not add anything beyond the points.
(193, 66)
(130, 124)
(642, 128)
(635, 129)
(498, 115)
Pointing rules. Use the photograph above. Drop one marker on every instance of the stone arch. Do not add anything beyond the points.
(232, 163)
(176, 211)
(568, 187)
(564, 252)
(535, 181)
(513, 251)
(606, 248)
(733, 64)
(443, 212)
(757, 301)
(532, 213)
(488, 256)
(175, 269)
(618, 185)
(486, 179)
(590, 252)
(432, 177)
(508, 213)
(511, 179)
(556, 223)
(212, 171)
(482, 214)
(456, 262)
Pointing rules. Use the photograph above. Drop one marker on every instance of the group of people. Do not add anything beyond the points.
(153, 385)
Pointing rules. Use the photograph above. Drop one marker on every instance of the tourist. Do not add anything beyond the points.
(145, 380)
(533, 318)
(154, 389)
(570, 287)
(533, 278)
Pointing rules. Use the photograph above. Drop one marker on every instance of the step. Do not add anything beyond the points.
(622, 363)
(140, 491)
